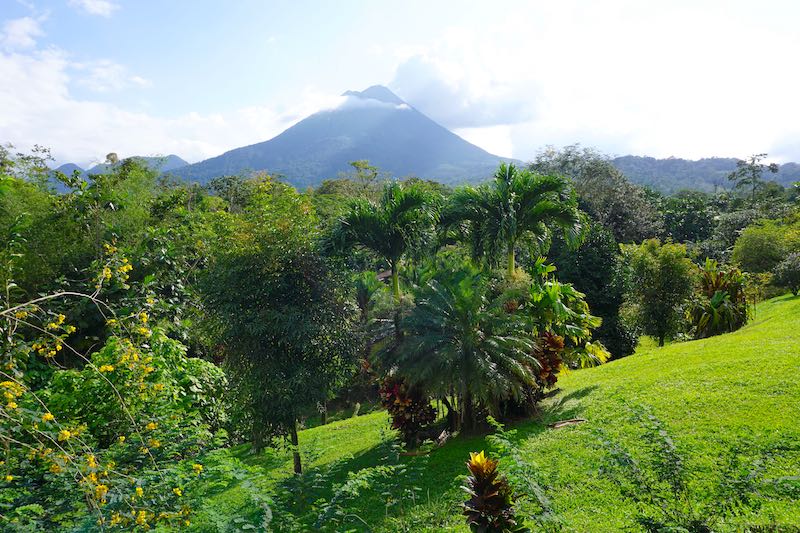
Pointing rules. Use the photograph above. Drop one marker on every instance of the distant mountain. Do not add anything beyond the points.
(167, 163)
(673, 174)
(373, 124)
(69, 169)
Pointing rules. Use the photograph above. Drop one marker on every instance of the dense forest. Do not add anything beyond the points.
(148, 322)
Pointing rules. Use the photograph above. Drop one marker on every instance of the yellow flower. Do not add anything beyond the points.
(143, 331)
(55, 468)
(70, 329)
(100, 492)
(106, 368)
(197, 468)
(187, 523)
(9, 478)
(151, 426)
(144, 450)
(158, 386)
(64, 434)
(154, 443)
(177, 492)
(60, 319)
(150, 301)
(92, 477)
(139, 492)
(12, 405)
(121, 439)
(111, 321)
(21, 314)
(115, 519)
(141, 518)
(143, 317)
(91, 461)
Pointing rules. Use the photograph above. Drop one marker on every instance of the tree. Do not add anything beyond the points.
(403, 219)
(604, 192)
(688, 216)
(459, 341)
(787, 273)
(749, 173)
(284, 315)
(596, 269)
(517, 204)
(662, 279)
(763, 245)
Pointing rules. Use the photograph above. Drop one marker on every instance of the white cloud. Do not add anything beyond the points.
(39, 109)
(20, 33)
(690, 80)
(104, 76)
(103, 8)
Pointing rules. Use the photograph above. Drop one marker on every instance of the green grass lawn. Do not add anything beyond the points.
(731, 405)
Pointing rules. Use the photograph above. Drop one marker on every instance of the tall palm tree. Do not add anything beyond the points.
(456, 341)
(518, 202)
(403, 218)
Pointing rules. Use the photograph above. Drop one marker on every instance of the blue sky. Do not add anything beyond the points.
(196, 78)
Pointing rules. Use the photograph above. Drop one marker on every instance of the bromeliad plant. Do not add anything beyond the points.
(721, 305)
(490, 507)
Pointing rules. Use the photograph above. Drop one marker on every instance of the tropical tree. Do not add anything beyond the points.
(402, 220)
(749, 172)
(283, 314)
(662, 280)
(517, 204)
(458, 341)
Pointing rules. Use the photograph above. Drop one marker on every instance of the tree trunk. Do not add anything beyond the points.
(469, 412)
(324, 413)
(452, 416)
(395, 283)
(510, 260)
(298, 467)
(661, 339)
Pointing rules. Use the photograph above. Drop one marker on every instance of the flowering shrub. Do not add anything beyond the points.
(411, 412)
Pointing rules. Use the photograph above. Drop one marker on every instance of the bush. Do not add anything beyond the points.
(490, 507)
(721, 305)
(411, 412)
(763, 245)
(787, 273)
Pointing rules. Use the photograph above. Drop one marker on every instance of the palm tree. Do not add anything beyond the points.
(458, 342)
(403, 219)
(493, 217)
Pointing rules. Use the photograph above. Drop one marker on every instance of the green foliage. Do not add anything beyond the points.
(458, 340)
(283, 312)
(763, 245)
(748, 174)
(662, 280)
(403, 220)
(596, 269)
(721, 304)
(518, 204)
(604, 192)
(787, 273)
(689, 216)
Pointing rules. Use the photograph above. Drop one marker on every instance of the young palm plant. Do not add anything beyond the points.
(459, 343)
(518, 203)
(403, 219)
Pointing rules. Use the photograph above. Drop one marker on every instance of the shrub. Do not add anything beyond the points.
(721, 304)
(787, 273)
(411, 412)
(490, 507)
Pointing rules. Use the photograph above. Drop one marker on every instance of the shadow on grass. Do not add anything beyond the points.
(396, 489)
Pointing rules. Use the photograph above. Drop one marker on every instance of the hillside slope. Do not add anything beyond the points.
(739, 391)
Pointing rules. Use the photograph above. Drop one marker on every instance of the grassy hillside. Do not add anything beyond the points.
(730, 404)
